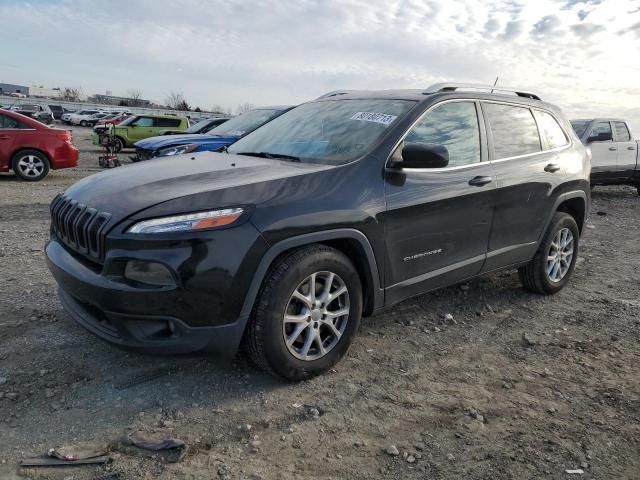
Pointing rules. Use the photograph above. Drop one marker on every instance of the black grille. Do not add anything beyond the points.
(79, 227)
(144, 154)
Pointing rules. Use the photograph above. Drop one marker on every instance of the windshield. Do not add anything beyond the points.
(245, 123)
(332, 132)
(196, 127)
(580, 126)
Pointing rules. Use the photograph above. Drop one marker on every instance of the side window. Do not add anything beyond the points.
(453, 125)
(144, 122)
(8, 122)
(551, 130)
(513, 129)
(622, 132)
(167, 122)
(601, 132)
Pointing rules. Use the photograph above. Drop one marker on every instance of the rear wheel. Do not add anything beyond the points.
(306, 314)
(30, 165)
(83, 123)
(555, 260)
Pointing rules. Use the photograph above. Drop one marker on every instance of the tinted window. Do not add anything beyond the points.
(453, 125)
(8, 122)
(622, 132)
(167, 122)
(551, 130)
(513, 129)
(143, 122)
(601, 128)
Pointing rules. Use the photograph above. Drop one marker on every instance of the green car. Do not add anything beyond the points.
(139, 127)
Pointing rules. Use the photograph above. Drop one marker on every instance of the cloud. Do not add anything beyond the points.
(288, 51)
(587, 30)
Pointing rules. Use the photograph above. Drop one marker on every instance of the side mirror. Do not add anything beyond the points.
(600, 137)
(423, 155)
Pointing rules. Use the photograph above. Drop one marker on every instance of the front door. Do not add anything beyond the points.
(437, 221)
(604, 161)
(140, 129)
(8, 131)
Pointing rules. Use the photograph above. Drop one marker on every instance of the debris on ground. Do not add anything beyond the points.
(172, 450)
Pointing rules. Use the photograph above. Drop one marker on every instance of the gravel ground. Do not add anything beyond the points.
(509, 386)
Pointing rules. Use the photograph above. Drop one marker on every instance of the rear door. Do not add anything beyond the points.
(627, 150)
(528, 171)
(165, 124)
(438, 220)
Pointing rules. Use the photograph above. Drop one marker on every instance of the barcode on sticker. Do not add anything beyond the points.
(374, 117)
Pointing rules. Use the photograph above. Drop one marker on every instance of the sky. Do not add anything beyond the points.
(579, 54)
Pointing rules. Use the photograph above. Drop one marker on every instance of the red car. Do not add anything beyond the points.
(31, 148)
(113, 119)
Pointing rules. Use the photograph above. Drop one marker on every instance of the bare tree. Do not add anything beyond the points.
(217, 109)
(71, 94)
(176, 101)
(244, 108)
(135, 95)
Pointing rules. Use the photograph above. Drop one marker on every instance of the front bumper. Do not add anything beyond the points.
(201, 312)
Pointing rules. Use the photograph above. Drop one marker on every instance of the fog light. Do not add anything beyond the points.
(150, 273)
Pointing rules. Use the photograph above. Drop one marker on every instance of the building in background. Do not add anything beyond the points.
(121, 101)
(41, 92)
(11, 89)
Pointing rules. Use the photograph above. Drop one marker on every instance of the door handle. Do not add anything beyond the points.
(613, 149)
(552, 168)
(480, 181)
(631, 148)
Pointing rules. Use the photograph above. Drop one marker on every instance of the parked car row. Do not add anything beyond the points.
(324, 213)
(42, 113)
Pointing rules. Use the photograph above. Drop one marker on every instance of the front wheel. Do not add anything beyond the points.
(306, 313)
(118, 144)
(555, 260)
(30, 165)
(83, 123)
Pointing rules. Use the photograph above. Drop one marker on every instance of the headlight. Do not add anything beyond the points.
(191, 222)
(177, 150)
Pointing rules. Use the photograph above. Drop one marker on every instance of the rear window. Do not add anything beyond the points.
(551, 130)
(513, 129)
(622, 132)
(8, 122)
(167, 122)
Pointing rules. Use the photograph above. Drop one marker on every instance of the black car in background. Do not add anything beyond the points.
(42, 113)
(331, 211)
(202, 126)
(57, 111)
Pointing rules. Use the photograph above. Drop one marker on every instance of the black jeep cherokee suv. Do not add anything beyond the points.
(339, 207)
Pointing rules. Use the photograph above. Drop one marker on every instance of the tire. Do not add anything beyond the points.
(264, 338)
(83, 123)
(540, 275)
(638, 188)
(118, 144)
(30, 165)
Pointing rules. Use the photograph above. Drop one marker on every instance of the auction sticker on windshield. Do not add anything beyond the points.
(374, 117)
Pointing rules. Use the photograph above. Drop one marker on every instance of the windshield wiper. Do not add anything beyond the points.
(279, 156)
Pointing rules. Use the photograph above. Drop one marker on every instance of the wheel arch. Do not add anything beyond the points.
(351, 242)
(23, 149)
(575, 204)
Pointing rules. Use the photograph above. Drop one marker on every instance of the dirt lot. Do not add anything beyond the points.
(467, 398)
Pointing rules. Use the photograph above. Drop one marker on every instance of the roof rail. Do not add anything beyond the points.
(452, 87)
(335, 93)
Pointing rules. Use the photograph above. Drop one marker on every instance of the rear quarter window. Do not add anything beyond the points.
(513, 129)
(167, 122)
(622, 132)
(551, 130)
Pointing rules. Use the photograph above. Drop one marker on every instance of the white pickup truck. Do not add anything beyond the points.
(614, 151)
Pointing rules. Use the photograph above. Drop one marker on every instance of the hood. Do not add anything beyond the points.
(165, 141)
(198, 181)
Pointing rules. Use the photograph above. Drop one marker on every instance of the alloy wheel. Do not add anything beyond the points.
(560, 255)
(31, 166)
(316, 316)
